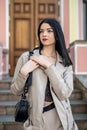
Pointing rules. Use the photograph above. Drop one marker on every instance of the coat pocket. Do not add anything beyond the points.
(29, 126)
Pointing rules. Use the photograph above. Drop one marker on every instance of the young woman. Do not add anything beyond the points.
(52, 80)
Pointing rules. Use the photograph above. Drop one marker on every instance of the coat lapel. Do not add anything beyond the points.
(38, 94)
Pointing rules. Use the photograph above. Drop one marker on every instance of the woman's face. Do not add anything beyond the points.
(47, 35)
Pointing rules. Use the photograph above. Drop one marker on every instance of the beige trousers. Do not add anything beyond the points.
(51, 120)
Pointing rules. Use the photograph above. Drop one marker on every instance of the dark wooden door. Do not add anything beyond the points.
(25, 16)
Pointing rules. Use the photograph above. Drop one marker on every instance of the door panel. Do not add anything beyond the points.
(25, 16)
(45, 9)
(21, 34)
(21, 29)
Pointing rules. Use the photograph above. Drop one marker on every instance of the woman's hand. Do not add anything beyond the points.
(44, 61)
(29, 67)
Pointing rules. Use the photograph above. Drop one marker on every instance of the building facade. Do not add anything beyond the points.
(23, 14)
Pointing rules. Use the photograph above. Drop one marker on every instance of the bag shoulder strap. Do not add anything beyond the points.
(29, 79)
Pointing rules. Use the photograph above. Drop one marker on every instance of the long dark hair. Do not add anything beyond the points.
(59, 37)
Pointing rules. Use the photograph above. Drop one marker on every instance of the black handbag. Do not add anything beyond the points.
(23, 107)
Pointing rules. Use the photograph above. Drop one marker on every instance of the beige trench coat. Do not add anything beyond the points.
(61, 80)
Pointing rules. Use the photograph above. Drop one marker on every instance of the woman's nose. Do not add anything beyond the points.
(45, 33)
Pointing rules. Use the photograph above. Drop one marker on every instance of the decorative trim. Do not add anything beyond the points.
(75, 46)
(76, 58)
(5, 50)
(7, 23)
(75, 53)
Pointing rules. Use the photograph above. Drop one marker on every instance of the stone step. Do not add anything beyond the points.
(76, 95)
(7, 122)
(6, 94)
(5, 83)
(7, 119)
(78, 106)
(81, 120)
(7, 107)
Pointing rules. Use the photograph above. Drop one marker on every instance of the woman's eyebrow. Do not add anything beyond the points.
(46, 28)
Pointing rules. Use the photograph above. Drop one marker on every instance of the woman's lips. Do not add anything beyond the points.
(44, 39)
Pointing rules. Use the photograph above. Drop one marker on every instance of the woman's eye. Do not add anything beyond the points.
(50, 30)
(41, 31)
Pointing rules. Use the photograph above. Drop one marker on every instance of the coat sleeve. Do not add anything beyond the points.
(19, 80)
(62, 86)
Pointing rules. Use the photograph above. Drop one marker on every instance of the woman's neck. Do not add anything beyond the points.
(49, 51)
